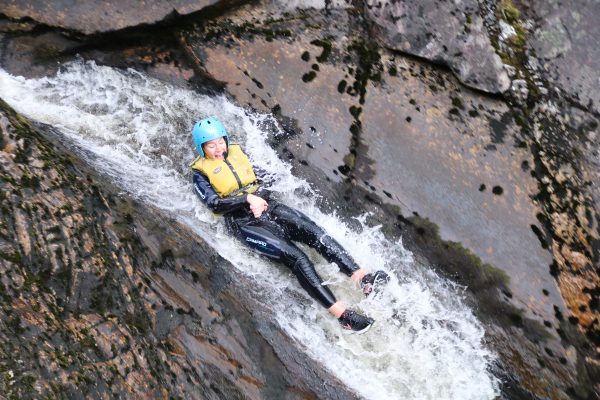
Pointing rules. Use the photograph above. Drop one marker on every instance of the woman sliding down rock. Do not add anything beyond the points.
(226, 182)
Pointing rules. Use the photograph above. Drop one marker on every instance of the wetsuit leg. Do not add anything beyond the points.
(268, 238)
(304, 270)
(300, 228)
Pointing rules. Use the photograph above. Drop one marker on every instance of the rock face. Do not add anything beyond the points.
(100, 300)
(89, 17)
(377, 132)
(487, 188)
(565, 41)
(449, 33)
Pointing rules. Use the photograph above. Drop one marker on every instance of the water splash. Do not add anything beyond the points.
(426, 344)
(290, 5)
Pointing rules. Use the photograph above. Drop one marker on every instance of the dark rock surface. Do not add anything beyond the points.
(445, 32)
(89, 17)
(104, 298)
(565, 40)
(513, 179)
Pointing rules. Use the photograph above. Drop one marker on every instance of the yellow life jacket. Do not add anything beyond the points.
(233, 176)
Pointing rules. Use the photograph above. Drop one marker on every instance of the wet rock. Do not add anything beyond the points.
(364, 115)
(34, 55)
(519, 90)
(410, 124)
(432, 130)
(91, 311)
(551, 40)
(448, 33)
(89, 17)
(565, 41)
(239, 63)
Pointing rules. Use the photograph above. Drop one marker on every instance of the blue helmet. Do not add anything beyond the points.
(208, 129)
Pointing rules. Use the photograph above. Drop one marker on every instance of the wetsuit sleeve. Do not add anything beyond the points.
(265, 180)
(207, 194)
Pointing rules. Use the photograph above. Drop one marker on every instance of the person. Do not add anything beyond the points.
(226, 182)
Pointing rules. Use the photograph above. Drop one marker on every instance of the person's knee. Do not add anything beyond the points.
(295, 258)
(313, 284)
(328, 242)
(288, 213)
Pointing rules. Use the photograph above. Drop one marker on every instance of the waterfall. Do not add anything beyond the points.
(426, 343)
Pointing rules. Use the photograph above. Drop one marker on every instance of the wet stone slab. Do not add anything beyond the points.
(268, 76)
(566, 44)
(451, 157)
(90, 17)
(451, 33)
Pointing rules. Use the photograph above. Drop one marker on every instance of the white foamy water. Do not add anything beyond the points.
(316, 4)
(426, 344)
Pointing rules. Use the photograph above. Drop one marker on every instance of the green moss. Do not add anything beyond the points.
(350, 160)
(62, 360)
(14, 257)
(510, 14)
(458, 103)
(493, 274)
(369, 67)
(355, 111)
(45, 52)
(138, 321)
(456, 260)
(100, 300)
(326, 44)
(14, 324)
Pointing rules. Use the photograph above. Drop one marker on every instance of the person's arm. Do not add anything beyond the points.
(264, 180)
(207, 194)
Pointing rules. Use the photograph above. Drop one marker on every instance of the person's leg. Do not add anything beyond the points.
(302, 229)
(268, 238)
(303, 268)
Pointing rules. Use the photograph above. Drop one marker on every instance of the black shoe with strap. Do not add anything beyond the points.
(354, 322)
(373, 281)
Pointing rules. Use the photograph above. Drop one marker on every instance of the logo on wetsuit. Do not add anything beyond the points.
(252, 240)
(200, 192)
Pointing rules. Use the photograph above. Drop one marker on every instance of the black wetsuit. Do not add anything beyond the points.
(272, 235)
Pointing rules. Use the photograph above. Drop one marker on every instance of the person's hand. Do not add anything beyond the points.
(258, 205)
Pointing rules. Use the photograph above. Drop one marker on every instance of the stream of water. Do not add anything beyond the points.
(426, 344)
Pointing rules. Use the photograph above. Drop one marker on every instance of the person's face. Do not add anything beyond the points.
(215, 149)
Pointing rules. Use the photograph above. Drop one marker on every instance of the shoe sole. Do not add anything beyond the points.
(351, 332)
(377, 286)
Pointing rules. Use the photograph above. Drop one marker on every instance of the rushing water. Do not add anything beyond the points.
(426, 344)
